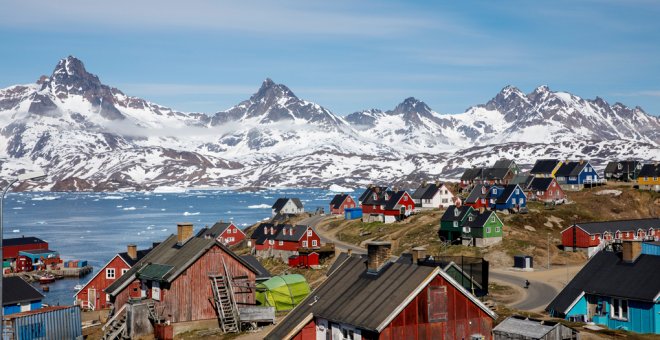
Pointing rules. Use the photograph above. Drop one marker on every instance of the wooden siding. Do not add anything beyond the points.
(12, 251)
(348, 203)
(291, 245)
(100, 283)
(232, 231)
(189, 297)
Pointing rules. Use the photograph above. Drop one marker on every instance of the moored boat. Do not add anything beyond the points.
(46, 278)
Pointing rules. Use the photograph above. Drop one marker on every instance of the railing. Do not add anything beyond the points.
(114, 317)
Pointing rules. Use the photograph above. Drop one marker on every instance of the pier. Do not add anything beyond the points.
(33, 276)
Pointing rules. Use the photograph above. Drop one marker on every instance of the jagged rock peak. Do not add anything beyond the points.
(411, 105)
(72, 69)
(270, 90)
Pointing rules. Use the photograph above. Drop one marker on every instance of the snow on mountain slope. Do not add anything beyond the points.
(90, 136)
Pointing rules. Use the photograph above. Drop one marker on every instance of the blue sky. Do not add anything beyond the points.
(345, 55)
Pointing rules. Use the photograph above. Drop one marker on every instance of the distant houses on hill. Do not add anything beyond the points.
(432, 196)
(590, 237)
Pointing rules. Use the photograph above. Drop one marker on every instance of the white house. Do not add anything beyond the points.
(288, 206)
(432, 196)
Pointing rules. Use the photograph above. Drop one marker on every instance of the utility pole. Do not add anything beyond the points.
(548, 251)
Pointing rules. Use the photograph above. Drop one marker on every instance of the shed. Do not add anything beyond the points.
(521, 328)
(523, 262)
(56, 322)
(352, 213)
(651, 248)
(284, 292)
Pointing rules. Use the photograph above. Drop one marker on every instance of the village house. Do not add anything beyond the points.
(357, 301)
(451, 223)
(92, 296)
(545, 189)
(432, 196)
(229, 234)
(341, 202)
(545, 167)
(282, 240)
(288, 206)
(502, 172)
(509, 197)
(174, 283)
(623, 171)
(471, 227)
(618, 290)
(19, 296)
(591, 237)
(574, 175)
(12, 246)
(522, 179)
(386, 206)
(369, 191)
(649, 177)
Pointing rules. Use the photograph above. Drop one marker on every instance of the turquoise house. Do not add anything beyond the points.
(616, 290)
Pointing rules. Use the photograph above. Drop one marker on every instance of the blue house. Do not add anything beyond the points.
(19, 296)
(574, 175)
(616, 290)
(506, 197)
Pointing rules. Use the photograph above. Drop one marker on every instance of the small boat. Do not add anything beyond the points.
(78, 287)
(46, 278)
(45, 288)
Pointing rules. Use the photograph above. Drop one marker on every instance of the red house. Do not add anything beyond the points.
(11, 246)
(545, 189)
(174, 277)
(229, 233)
(591, 237)
(283, 240)
(478, 197)
(92, 296)
(358, 301)
(341, 202)
(385, 205)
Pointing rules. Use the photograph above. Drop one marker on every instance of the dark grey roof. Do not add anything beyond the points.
(394, 199)
(279, 204)
(427, 191)
(351, 296)
(540, 183)
(387, 198)
(262, 272)
(523, 180)
(544, 166)
(179, 257)
(478, 219)
(368, 192)
(571, 169)
(508, 190)
(528, 328)
(650, 170)
(607, 275)
(338, 200)
(504, 163)
(16, 290)
(471, 174)
(450, 213)
(620, 225)
(215, 231)
(495, 173)
(613, 167)
(476, 193)
(260, 234)
(140, 254)
(19, 241)
(297, 202)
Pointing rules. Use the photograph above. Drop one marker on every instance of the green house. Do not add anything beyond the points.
(451, 223)
(482, 229)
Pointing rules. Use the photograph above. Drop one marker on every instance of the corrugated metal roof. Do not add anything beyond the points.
(534, 329)
(154, 271)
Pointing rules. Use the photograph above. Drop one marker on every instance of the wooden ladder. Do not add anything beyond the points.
(115, 328)
(225, 302)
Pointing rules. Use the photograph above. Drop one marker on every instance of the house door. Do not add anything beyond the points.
(91, 298)
(402, 213)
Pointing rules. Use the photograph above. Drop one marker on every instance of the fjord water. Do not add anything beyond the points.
(96, 226)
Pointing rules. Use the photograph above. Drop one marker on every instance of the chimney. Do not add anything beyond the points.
(378, 254)
(184, 231)
(132, 251)
(349, 251)
(631, 250)
(418, 253)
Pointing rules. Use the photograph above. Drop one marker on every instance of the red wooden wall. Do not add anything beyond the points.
(348, 203)
(100, 283)
(12, 251)
(232, 231)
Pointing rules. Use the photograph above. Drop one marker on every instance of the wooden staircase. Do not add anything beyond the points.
(225, 301)
(116, 328)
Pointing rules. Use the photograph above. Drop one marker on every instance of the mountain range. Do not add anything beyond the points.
(89, 136)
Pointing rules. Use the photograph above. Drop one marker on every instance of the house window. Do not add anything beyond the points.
(619, 309)
(593, 237)
(281, 243)
(455, 224)
(494, 191)
(309, 233)
(405, 198)
(271, 242)
(235, 231)
(492, 219)
(110, 273)
(304, 244)
(517, 191)
(347, 334)
(655, 178)
(487, 230)
(497, 229)
(155, 291)
(456, 212)
(646, 178)
(314, 244)
(124, 270)
(471, 218)
(437, 304)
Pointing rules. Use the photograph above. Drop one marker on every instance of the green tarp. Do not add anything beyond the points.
(282, 292)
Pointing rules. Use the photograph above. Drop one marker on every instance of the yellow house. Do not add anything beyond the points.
(649, 177)
(545, 168)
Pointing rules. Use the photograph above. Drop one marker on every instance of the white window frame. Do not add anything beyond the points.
(314, 243)
(124, 271)
(309, 233)
(304, 244)
(271, 242)
(155, 290)
(110, 273)
(487, 230)
(281, 243)
(497, 229)
(617, 313)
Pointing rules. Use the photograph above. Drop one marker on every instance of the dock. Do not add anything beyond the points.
(33, 276)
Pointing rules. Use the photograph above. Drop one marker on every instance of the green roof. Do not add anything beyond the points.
(154, 271)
